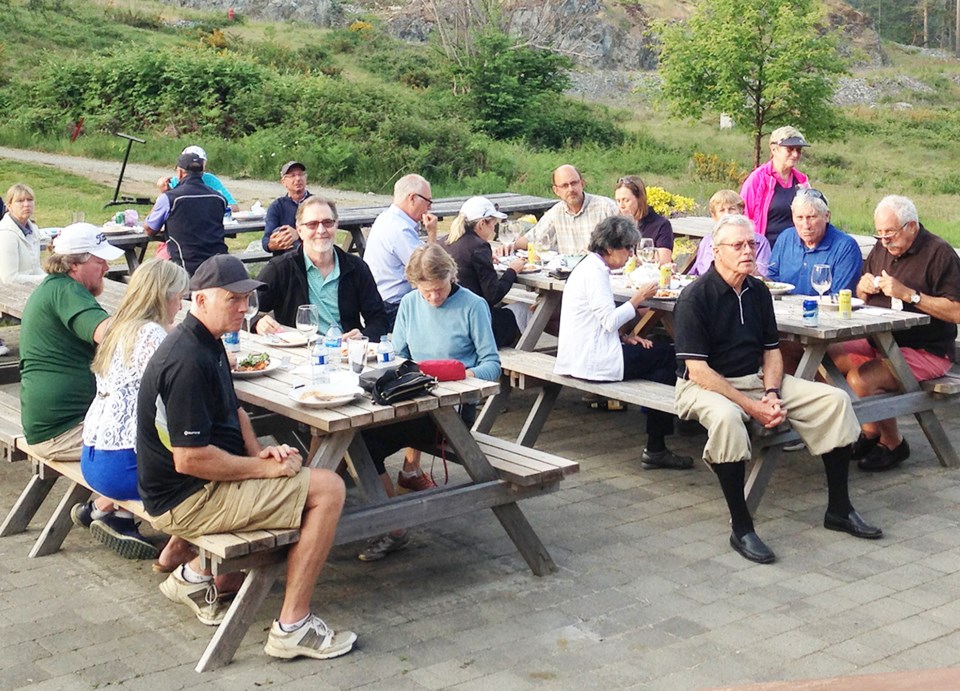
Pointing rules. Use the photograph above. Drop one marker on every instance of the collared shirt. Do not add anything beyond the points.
(393, 238)
(792, 261)
(930, 266)
(570, 233)
(728, 330)
(324, 292)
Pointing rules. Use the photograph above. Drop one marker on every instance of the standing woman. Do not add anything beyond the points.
(631, 197)
(469, 244)
(769, 190)
(591, 346)
(108, 459)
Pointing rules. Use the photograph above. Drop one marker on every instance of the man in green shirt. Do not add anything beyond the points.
(62, 324)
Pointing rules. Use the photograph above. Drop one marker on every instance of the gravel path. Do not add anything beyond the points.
(140, 180)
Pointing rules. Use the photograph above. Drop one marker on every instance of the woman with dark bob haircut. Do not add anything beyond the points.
(590, 343)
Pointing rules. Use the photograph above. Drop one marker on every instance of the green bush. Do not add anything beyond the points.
(553, 121)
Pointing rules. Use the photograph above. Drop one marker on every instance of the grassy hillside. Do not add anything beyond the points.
(362, 112)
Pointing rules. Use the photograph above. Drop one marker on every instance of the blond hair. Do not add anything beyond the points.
(723, 198)
(151, 286)
(17, 192)
(430, 263)
(460, 226)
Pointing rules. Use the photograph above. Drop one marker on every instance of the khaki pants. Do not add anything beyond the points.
(821, 414)
(65, 446)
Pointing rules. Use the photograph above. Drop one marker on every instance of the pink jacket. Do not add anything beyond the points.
(757, 192)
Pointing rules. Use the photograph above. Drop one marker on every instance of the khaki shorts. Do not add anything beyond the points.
(65, 446)
(222, 507)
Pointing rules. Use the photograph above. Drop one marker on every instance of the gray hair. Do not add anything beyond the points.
(614, 233)
(407, 185)
(904, 209)
(812, 200)
(738, 220)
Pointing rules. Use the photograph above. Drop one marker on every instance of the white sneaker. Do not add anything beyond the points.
(4, 350)
(202, 598)
(313, 639)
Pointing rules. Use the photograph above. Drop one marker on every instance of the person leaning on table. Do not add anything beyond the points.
(730, 371)
(590, 344)
(200, 468)
(912, 269)
(279, 231)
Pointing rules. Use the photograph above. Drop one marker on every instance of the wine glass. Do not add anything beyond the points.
(253, 306)
(821, 278)
(308, 322)
(647, 252)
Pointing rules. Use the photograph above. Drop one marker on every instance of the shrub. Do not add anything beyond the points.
(710, 168)
(553, 121)
(667, 204)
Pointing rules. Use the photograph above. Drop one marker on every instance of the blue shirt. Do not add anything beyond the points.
(324, 292)
(282, 212)
(212, 181)
(393, 238)
(792, 261)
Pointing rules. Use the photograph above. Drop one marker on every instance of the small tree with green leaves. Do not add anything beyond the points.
(766, 63)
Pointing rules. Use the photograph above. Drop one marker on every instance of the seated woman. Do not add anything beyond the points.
(19, 242)
(631, 197)
(108, 459)
(437, 320)
(723, 203)
(590, 344)
(469, 244)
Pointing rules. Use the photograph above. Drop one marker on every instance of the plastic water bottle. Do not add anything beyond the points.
(318, 363)
(332, 342)
(385, 352)
(231, 341)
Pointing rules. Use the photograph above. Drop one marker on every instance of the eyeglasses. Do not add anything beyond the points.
(569, 185)
(738, 246)
(428, 200)
(810, 192)
(327, 223)
(792, 149)
(887, 237)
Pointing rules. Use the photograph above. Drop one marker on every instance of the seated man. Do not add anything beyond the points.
(728, 376)
(198, 456)
(279, 233)
(209, 179)
(814, 240)
(192, 214)
(912, 269)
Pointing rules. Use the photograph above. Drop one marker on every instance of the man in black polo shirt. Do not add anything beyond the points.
(912, 269)
(280, 225)
(730, 370)
(192, 214)
(200, 468)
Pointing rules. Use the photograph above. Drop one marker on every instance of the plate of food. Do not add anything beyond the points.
(113, 228)
(529, 269)
(283, 339)
(666, 294)
(776, 288)
(832, 304)
(324, 395)
(254, 365)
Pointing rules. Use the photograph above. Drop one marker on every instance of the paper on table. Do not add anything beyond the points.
(874, 310)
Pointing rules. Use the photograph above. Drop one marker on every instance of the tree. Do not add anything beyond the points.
(766, 63)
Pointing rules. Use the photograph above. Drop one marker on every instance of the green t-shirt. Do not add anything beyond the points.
(56, 348)
(324, 292)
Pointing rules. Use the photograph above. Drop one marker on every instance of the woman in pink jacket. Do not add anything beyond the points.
(769, 190)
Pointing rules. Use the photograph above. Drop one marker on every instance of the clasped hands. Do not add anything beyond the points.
(288, 459)
(884, 283)
(769, 410)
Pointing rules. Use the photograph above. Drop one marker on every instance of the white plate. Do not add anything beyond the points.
(829, 305)
(666, 294)
(530, 269)
(274, 364)
(779, 288)
(327, 395)
(114, 229)
(282, 339)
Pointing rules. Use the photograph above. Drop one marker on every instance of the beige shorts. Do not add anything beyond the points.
(222, 507)
(65, 446)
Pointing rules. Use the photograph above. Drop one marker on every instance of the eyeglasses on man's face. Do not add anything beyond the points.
(428, 200)
(327, 223)
(569, 185)
(739, 246)
(890, 235)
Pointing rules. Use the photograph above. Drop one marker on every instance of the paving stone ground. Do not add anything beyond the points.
(649, 595)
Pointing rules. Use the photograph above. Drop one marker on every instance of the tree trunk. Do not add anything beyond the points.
(926, 24)
(956, 32)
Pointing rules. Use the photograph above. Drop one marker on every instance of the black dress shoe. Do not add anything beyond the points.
(751, 547)
(881, 458)
(852, 523)
(862, 446)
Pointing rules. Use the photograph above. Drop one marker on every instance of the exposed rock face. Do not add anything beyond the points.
(321, 12)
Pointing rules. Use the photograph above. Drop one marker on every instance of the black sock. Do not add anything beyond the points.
(656, 443)
(836, 464)
(731, 476)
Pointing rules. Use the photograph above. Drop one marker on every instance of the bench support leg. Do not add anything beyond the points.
(27, 505)
(537, 417)
(60, 523)
(256, 586)
(760, 475)
(942, 446)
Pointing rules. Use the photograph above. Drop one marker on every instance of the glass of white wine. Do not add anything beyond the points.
(308, 322)
(821, 278)
(253, 306)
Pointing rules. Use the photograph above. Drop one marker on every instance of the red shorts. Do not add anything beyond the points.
(924, 365)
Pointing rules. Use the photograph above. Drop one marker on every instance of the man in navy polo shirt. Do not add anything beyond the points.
(729, 370)
(200, 468)
(280, 225)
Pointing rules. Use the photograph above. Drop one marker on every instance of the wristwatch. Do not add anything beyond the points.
(915, 298)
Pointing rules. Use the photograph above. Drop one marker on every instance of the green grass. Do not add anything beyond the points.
(59, 194)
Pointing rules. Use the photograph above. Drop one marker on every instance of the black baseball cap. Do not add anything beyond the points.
(224, 271)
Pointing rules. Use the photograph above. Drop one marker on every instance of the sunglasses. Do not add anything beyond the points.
(327, 223)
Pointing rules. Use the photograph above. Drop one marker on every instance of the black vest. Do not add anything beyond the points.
(195, 223)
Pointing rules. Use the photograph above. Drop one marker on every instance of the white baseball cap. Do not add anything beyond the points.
(476, 208)
(195, 150)
(83, 238)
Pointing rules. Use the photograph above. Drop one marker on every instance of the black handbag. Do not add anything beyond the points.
(398, 383)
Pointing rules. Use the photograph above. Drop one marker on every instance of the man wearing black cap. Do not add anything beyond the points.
(279, 227)
(193, 215)
(200, 468)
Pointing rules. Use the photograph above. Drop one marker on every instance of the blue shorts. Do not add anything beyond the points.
(111, 473)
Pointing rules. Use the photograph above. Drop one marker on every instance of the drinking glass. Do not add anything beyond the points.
(253, 306)
(308, 322)
(821, 278)
(507, 235)
(357, 353)
(647, 252)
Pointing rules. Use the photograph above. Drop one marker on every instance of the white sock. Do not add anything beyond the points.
(97, 514)
(191, 576)
(123, 513)
(409, 473)
(289, 628)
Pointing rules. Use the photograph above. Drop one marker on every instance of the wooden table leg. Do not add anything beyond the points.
(333, 447)
(27, 504)
(370, 483)
(810, 361)
(548, 303)
(491, 408)
(538, 415)
(760, 475)
(60, 523)
(515, 524)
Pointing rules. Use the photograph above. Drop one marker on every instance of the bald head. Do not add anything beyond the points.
(568, 185)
